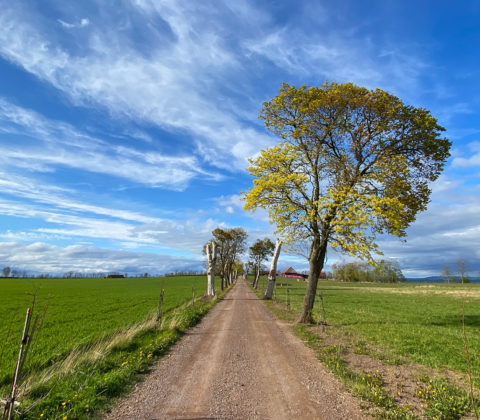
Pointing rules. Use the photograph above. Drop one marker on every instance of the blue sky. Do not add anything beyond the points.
(125, 127)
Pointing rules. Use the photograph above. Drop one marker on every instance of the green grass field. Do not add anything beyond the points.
(422, 322)
(99, 336)
(80, 311)
(399, 348)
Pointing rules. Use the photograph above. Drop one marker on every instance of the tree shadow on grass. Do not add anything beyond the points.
(456, 320)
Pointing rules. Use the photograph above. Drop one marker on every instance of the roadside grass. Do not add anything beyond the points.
(97, 340)
(400, 326)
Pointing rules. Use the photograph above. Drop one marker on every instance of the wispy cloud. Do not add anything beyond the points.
(44, 258)
(339, 57)
(47, 145)
(81, 24)
(470, 161)
(173, 86)
(67, 218)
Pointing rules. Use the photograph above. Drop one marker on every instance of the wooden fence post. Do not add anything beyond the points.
(321, 309)
(160, 307)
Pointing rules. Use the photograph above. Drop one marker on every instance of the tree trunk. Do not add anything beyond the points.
(273, 271)
(316, 262)
(257, 276)
(211, 257)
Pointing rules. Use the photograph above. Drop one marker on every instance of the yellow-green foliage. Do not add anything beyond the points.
(352, 163)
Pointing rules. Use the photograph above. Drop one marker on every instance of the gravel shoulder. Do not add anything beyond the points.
(240, 362)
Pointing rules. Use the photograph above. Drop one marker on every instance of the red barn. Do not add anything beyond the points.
(291, 273)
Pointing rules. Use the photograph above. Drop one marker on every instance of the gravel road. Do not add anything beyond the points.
(240, 362)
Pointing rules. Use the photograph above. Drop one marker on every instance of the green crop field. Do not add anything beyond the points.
(422, 322)
(80, 312)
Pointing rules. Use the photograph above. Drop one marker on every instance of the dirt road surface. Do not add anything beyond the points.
(240, 362)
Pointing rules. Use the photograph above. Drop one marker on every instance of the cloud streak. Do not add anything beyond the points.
(81, 24)
(44, 258)
(47, 145)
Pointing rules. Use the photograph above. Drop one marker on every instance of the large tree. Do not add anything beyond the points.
(352, 163)
(230, 245)
(259, 252)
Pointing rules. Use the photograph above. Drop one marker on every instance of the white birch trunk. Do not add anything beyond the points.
(273, 271)
(212, 257)
(257, 276)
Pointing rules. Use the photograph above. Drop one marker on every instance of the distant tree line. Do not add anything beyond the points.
(383, 272)
(462, 271)
(14, 272)
(182, 273)
(11, 272)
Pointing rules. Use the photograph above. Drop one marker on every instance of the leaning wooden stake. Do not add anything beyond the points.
(321, 309)
(160, 307)
(24, 344)
(288, 298)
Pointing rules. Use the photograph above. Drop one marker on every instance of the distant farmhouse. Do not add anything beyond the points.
(291, 273)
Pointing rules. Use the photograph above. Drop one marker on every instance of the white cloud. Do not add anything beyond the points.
(83, 22)
(173, 87)
(339, 57)
(44, 258)
(66, 219)
(462, 162)
(48, 144)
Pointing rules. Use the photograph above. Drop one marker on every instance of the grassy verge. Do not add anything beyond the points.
(87, 380)
(364, 344)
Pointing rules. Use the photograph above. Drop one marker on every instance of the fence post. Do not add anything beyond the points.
(288, 298)
(160, 307)
(321, 309)
(193, 296)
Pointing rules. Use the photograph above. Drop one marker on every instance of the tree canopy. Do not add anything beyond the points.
(352, 163)
(259, 252)
(231, 244)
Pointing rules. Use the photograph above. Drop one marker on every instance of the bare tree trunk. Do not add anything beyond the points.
(211, 257)
(273, 271)
(257, 277)
(316, 262)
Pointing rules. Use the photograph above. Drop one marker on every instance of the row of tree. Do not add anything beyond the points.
(381, 272)
(223, 253)
(223, 257)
